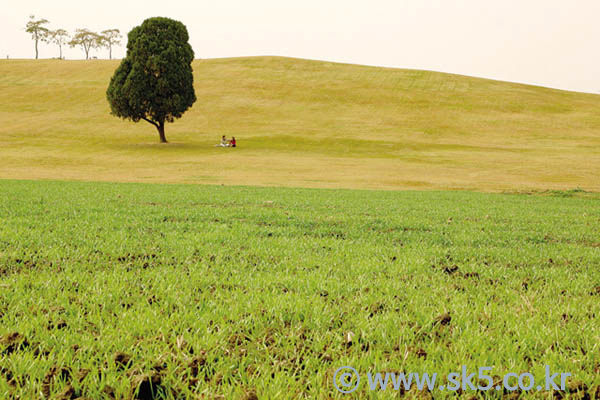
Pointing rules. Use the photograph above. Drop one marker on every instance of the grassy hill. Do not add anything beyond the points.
(303, 123)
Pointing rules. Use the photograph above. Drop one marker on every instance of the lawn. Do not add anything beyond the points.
(302, 123)
(248, 292)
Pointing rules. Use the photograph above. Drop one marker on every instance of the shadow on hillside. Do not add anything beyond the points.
(171, 146)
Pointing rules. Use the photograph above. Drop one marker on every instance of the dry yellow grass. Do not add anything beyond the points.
(303, 123)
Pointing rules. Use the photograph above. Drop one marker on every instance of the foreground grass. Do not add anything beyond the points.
(294, 119)
(251, 292)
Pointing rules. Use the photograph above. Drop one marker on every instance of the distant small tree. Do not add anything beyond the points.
(39, 33)
(154, 82)
(59, 37)
(87, 40)
(109, 38)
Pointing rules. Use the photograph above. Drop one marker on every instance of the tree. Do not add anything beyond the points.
(37, 30)
(154, 82)
(59, 37)
(86, 39)
(109, 38)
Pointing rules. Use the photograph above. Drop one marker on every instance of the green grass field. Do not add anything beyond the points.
(219, 291)
(303, 123)
(245, 292)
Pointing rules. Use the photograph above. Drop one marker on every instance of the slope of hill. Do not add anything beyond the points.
(303, 123)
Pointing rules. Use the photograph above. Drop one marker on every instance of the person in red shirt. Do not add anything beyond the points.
(232, 141)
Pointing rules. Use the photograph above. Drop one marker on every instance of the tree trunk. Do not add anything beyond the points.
(60, 49)
(109, 52)
(36, 49)
(161, 132)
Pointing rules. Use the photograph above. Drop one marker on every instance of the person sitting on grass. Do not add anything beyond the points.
(232, 142)
(224, 142)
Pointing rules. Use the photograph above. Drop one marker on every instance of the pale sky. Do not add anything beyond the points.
(551, 43)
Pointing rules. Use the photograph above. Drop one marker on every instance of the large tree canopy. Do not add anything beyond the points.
(154, 82)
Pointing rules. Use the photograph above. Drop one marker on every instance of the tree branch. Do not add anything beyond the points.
(150, 121)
